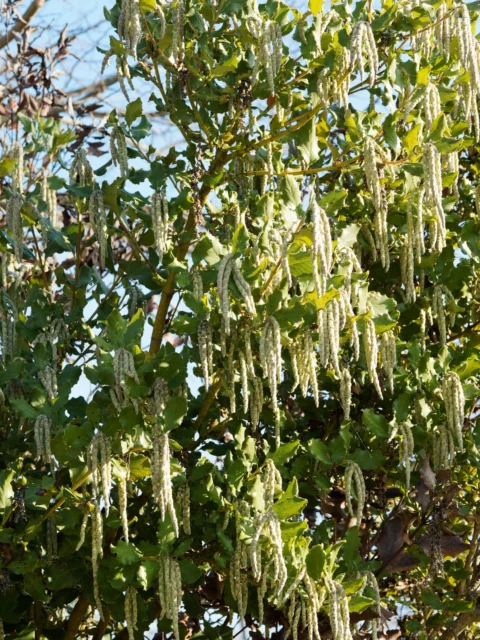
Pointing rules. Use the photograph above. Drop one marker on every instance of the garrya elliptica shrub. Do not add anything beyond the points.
(308, 257)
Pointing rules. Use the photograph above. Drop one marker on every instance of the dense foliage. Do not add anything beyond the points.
(313, 247)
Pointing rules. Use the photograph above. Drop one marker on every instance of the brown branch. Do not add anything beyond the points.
(76, 617)
(463, 621)
(22, 23)
(180, 253)
(211, 395)
(102, 625)
(37, 616)
(91, 91)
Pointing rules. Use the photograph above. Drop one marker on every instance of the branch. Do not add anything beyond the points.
(180, 253)
(22, 23)
(211, 395)
(76, 617)
(463, 621)
(102, 625)
(94, 89)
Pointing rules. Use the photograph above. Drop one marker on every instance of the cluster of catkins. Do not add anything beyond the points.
(123, 368)
(170, 591)
(269, 58)
(271, 360)
(129, 26)
(43, 435)
(362, 45)
(228, 266)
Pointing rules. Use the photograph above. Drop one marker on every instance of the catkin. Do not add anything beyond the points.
(160, 223)
(433, 193)
(81, 171)
(377, 191)
(406, 450)
(388, 354)
(178, 44)
(432, 106)
(83, 529)
(98, 219)
(97, 554)
(321, 248)
(48, 377)
(122, 505)
(271, 361)
(285, 265)
(338, 611)
(18, 174)
(184, 502)
(329, 327)
(354, 473)
(197, 284)
(52, 542)
(15, 223)
(131, 611)
(454, 399)
(42, 432)
(371, 353)
(373, 584)
(443, 32)
(443, 448)
(129, 26)
(99, 464)
(49, 196)
(346, 392)
(205, 348)
(440, 294)
(161, 478)
(118, 150)
(256, 403)
(123, 368)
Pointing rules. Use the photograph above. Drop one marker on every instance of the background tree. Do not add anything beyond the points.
(314, 246)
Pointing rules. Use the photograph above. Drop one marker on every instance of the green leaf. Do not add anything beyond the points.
(290, 191)
(357, 604)
(147, 5)
(127, 553)
(348, 236)
(401, 407)
(174, 412)
(284, 453)
(307, 144)
(315, 562)
(6, 491)
(375, 423)
(7, 166)
(411, 139)
(133, 111)
(315, 6)
(289, 506)
(190, 571)
(23, 408)
(225, 67)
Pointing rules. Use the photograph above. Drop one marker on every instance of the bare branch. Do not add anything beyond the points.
(22, 23)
